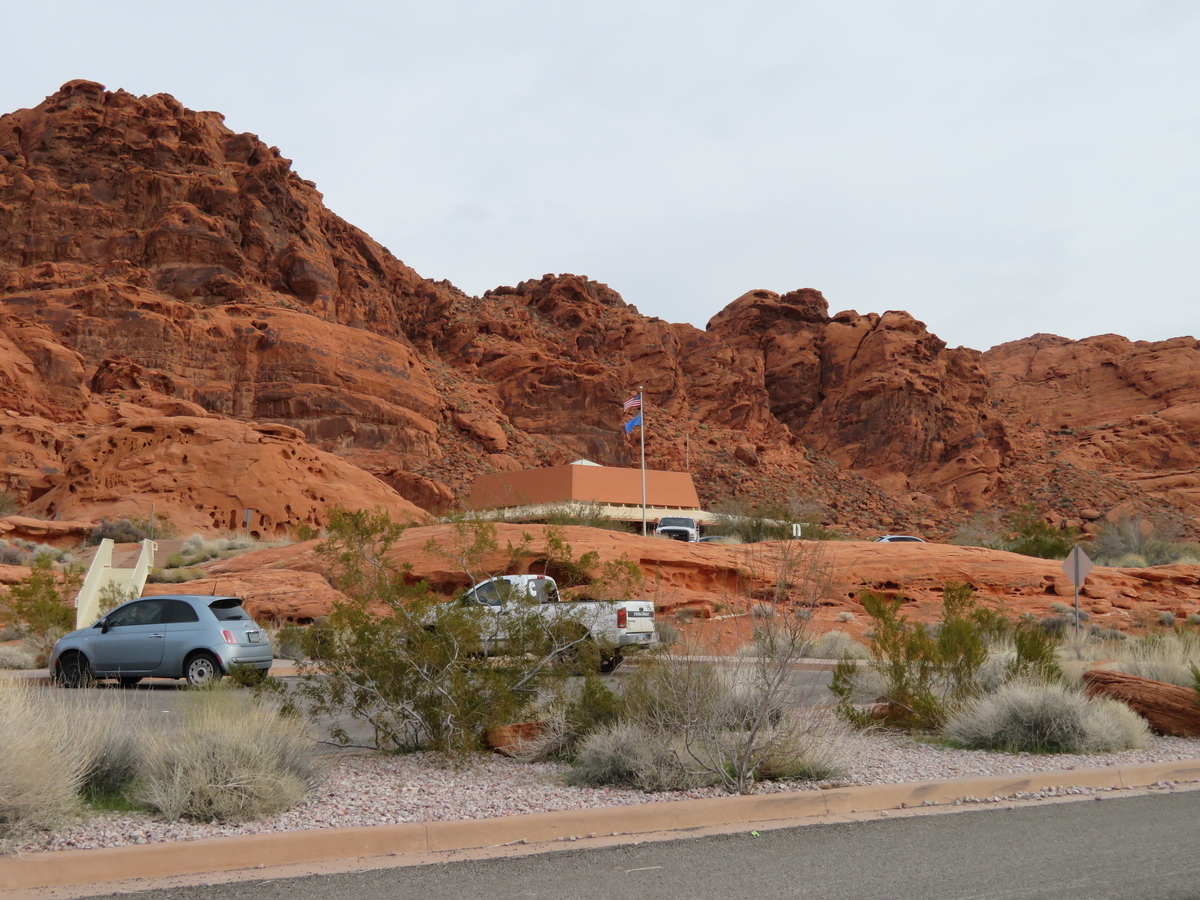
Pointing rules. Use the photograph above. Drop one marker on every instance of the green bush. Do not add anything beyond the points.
(1027, 534)
(928, 672)
(36, 608)
(426, 673)
(1042, 717)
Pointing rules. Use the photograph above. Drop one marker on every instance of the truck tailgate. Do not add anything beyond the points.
(639, 616)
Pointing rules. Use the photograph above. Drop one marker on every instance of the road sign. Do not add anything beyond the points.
(1077, 566)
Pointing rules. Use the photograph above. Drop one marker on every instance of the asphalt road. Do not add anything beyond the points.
(1143, 847)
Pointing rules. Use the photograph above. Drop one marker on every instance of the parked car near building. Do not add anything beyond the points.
(195, 637)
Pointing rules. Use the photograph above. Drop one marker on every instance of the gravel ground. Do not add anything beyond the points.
(365, 789)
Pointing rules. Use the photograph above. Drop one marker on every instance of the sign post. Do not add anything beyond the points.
(1076, 566)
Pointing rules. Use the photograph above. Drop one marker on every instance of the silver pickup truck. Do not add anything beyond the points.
(616, 626)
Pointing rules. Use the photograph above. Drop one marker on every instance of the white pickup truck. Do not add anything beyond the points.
(616, 626)
(678, 528)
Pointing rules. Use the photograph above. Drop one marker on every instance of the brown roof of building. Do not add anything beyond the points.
(600, 484)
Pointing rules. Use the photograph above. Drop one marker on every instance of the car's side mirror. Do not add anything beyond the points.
(103, 627)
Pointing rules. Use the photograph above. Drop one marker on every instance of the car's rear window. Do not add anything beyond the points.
(228, 609)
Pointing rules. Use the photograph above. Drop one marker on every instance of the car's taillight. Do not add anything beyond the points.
(622, 617)
(228, 635)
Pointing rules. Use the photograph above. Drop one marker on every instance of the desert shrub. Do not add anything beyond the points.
(751, 523)
(121, 531)
(632, 755)
(1042, 717)
(845, 616)
(668, 634)
(42, 764)
(1134, 542)
(16, 657)
(1193, 619)
(175, 560)
(685, 615)
(737, 724)
(36, 607)
(306, 532)
(1026, 533)
(420, 671)
(232, 759)
(11, 555)
(1036, 537)
(174, 576)
(588, 514)
(834, 645)
(983, 529)
(10, 502)
(1068, 611)
(927, 672)
(1166, 619)
(571, 717)
(1164, 656)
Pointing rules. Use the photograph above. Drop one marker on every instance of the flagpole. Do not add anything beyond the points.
(642, 435)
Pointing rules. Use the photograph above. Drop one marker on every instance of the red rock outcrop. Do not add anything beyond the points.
(704, 575)
(1168, 708)
(153, 263)
(201, 473)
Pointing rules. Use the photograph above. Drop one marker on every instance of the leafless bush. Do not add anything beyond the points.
(232, 759)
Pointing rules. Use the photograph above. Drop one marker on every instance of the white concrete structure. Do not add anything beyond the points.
(102, 575)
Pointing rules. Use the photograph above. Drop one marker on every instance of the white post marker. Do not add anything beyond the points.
(1076, 566)
(642, 435)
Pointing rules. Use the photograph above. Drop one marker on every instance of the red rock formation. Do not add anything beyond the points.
(1168, 708)
(201, 473)
(156, 264)
(702, 575)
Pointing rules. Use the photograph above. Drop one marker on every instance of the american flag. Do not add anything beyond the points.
(633, 402)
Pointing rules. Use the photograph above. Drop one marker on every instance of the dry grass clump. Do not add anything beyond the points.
(1045, 717)
(232, 759)
(16, 657)
(634, 755)
(42, 763)
(1165, 656)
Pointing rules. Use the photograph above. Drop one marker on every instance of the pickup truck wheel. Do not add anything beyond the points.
(610, 662)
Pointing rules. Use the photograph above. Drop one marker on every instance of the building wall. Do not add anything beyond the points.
(601, 484)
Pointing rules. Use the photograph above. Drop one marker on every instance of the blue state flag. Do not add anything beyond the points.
(633, 423)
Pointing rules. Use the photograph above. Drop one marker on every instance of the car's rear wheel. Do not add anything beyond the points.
(202, 669)
(73, 671)
(129, 680)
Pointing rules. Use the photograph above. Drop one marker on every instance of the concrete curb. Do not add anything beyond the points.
(75, 867)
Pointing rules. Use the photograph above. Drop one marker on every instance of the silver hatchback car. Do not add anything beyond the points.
(188, 636)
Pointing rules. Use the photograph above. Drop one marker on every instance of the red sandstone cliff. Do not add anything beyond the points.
(182, 321)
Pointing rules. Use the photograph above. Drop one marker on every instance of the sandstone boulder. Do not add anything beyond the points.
(1168, 708)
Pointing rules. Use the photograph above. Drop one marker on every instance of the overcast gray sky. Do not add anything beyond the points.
(995, 167)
